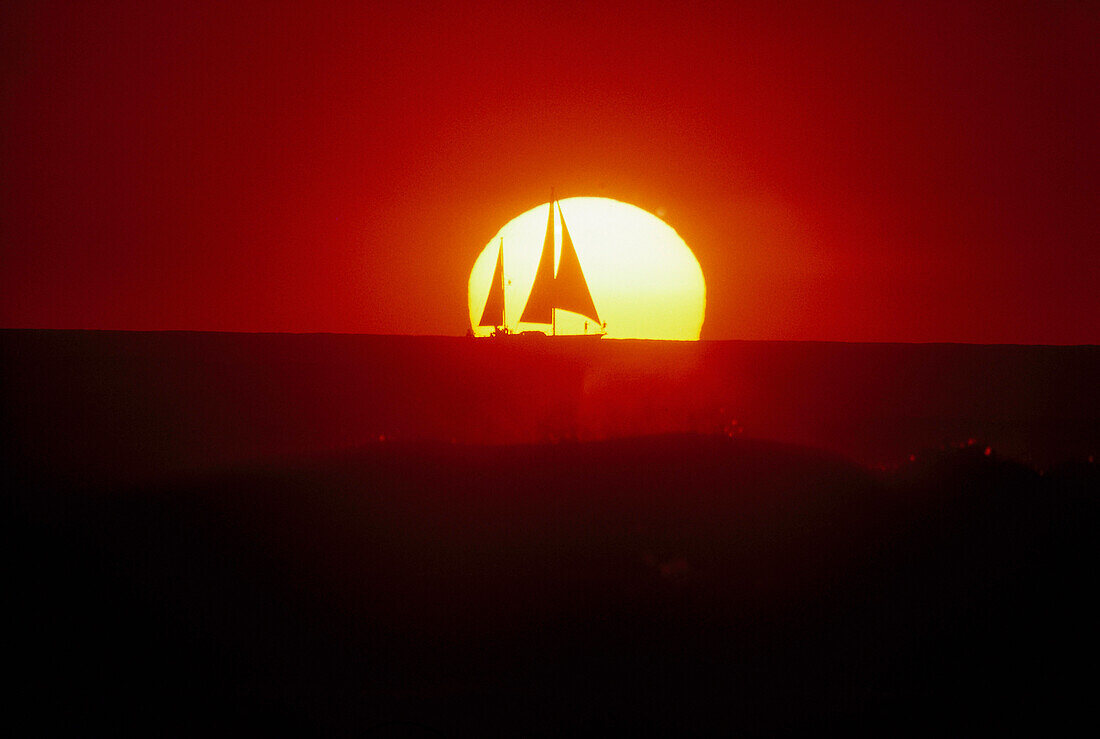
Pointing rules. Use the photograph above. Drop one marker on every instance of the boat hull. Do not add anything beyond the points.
(541, 336)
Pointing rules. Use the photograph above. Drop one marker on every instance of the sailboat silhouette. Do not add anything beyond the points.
(566, 289)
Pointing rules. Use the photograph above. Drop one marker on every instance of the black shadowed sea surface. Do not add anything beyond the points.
(439, 537)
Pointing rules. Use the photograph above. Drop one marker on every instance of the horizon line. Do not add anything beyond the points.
(564, 336)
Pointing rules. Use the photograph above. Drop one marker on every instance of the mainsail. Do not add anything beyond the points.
(568, 290)
(493, 315)
(540, 303)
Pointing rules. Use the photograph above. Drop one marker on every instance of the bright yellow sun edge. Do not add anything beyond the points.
(644, 280)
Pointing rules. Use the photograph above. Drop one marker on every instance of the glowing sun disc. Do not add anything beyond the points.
(644, 280)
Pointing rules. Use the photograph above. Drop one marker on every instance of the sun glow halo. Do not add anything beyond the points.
(644, 280)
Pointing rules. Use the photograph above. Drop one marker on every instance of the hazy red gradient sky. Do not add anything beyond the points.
(883, 171)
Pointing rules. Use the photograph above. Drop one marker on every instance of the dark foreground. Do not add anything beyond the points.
(667, 585)
(441, 537)
(130, 406)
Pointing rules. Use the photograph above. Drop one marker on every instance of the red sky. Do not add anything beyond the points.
(883, 171)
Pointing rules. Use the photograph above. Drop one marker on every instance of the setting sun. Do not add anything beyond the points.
(643, 280)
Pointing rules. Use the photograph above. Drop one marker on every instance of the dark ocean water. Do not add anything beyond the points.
(210, 534)
(149, 404)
